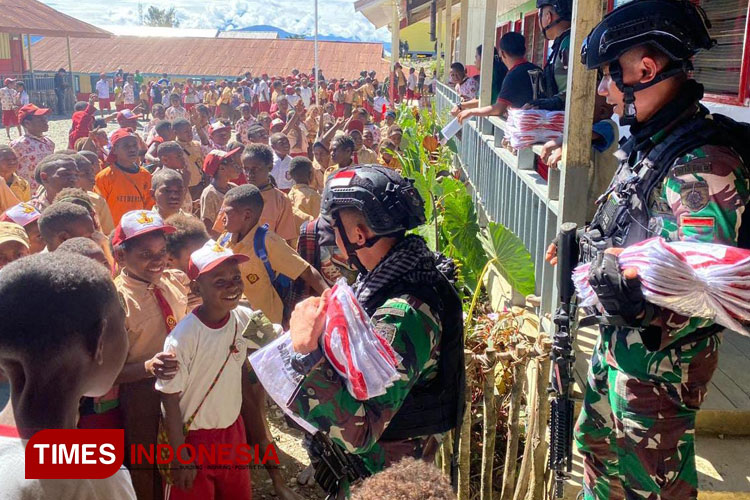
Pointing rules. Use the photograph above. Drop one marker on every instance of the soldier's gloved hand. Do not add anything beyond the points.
(619, 295)
(548, 103)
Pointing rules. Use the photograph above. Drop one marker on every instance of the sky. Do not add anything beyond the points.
(336, 17)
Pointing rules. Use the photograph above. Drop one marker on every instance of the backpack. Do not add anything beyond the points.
(281, 283)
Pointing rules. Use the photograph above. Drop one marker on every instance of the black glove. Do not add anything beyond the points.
(618, 295)
(549, 103)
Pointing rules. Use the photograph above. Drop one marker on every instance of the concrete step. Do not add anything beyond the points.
(722, 463)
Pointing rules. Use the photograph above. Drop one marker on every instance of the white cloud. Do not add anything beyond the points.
(336, 17)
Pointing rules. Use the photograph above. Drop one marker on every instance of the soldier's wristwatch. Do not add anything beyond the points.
(304, 363)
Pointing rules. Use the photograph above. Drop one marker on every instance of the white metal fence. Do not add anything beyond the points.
(507, 189)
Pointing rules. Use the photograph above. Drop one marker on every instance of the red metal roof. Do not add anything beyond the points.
(209, 56)
(35, 18)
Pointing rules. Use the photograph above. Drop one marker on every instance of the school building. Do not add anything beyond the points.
(209, 58)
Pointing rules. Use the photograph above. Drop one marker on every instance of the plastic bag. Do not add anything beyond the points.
(273, 367)
(362, 357)
(526, 127)
(693, 279)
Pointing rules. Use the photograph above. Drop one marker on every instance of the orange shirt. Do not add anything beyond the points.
(124, 191)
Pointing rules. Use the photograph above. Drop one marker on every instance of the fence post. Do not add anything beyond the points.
(511, 450)
(490, 425)
(464, 450)
(540, 470)
(524, 471)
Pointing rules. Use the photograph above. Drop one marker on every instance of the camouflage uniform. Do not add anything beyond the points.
(323, 399)
(636, 429)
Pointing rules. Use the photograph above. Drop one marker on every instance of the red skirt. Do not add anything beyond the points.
(339, 110)
(10, 117)
(264, 106)
(104, 103)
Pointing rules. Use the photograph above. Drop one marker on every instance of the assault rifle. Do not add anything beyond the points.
(562, 358)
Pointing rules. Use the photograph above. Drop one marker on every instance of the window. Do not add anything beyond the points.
(720, 68)
(535, 41)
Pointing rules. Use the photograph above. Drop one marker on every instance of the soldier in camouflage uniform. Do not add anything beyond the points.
(411, 304)
(554, 20)
(680, 178)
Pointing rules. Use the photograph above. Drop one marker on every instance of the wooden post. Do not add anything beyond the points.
(395, 34)
(488, 43)
(70, 73)
(31, 65)
(539, 467)
(489, 425)
(447, 42)
(446, 452)
(579, 112)
(511, 450)
(438, 43)
(464, 449)
(524, 471)
(464, 52)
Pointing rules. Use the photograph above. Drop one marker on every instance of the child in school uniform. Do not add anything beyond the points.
(192, 149)
(205, 395)
(26, 216)
(8, 167)
(257, 160)
(88, 349)
(305, 200)
(168, 191)
(189, 235)
(14, 243)
(154, 300)
(64, 220)
(220, 167)
(241, 214)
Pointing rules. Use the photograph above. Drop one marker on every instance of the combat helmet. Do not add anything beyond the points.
(391, 205)
(677, 28)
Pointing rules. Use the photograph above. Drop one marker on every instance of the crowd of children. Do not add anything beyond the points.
(184, 228)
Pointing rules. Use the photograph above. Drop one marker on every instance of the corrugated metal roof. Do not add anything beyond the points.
(35, 18)
(209, 56)
(162, 31)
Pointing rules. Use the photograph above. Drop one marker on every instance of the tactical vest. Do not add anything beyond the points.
(551, 88)
(437, 405)
(623, 217)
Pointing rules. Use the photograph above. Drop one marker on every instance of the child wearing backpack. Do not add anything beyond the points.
(273, 264)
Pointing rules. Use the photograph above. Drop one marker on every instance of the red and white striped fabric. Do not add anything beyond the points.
(693, 279)
(526, 127)
(362, 357)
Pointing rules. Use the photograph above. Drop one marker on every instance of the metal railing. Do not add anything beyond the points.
(41, 88)
(507, 189)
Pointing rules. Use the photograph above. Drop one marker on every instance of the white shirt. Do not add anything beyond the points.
(201, 350)
(280, 171)
(411, 82)
(102, 89)
(378, 103)
(306, 94)
(16, 487)
(128, 94)
(263, 95)
(292, 100)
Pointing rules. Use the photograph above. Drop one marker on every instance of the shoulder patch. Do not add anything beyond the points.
(393, 311)
(386, 330)
(697, 166)
(694, 195)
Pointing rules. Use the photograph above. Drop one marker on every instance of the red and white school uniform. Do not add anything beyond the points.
(201, 349)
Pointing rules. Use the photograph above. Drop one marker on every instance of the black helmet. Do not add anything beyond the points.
(678, 28)
(390, 203)
(564, 8)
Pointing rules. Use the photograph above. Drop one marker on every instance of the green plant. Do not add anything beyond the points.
(452, 225)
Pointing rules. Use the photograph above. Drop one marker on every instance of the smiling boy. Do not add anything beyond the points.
(33, 146)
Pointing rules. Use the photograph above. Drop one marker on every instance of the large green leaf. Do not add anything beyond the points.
(461, 229)
(511, 259)
(427, 231)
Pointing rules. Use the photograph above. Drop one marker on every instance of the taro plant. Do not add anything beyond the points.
(452, 225)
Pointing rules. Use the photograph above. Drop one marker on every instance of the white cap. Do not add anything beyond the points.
(209, 256)
(22, 214)
(139, 222)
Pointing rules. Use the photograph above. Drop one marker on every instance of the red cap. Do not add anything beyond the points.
(137, 223)
(118, 134)
(31, 110)
(216, 126)
(209, 256)
(215, 157)
(9, 80)
(355, 125)
(289, 90)
(127, 114)
(22, 214)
